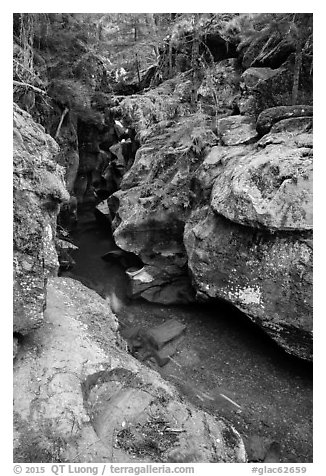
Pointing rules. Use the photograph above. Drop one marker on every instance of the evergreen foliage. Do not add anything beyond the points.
(125, 52)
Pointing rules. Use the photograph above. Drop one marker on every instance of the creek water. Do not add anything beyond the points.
(224, 364)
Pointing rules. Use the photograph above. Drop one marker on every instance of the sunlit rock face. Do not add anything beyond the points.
(39, 190)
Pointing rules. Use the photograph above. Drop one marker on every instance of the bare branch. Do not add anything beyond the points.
(65, 112)
(26, 85)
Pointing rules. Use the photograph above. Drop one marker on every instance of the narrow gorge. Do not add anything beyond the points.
(163, 238)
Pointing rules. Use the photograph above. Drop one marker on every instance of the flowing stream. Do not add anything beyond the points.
(224, 364)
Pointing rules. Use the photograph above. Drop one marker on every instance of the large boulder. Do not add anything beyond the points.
(252, 244)
(152, 228)
(267, 276)
(263, 88)
(266, 87)
(271, 187)
(240, 218)
(271, 116)
(153, 204)
(39, 190)
(75, 401)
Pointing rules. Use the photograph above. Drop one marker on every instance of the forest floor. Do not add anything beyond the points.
(223, 364)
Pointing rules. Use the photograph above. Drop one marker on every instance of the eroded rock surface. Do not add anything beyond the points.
(253, 244)
(80, 397)
(267, 276)
(270, 187)
(271, 116)
(38, 192)
(245, 212)
(153, 205)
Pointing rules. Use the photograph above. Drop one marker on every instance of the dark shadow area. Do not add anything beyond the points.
(221, 355)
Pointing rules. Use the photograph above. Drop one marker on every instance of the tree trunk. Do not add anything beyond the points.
(195, 68)
(170, 58)
(296, 73)
(137, 67)
(135, 33)
(26, 85)
(63, 115)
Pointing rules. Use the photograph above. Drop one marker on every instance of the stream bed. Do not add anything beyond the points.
(223, 364)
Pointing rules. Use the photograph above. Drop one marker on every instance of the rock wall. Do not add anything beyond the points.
(252, 245)
(39, 190)
(232, 156)
(80, 397)
(154, 204)
(228, 202)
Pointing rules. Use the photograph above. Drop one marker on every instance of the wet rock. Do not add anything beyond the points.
(64, 248)
(273, 453)
(166, 332)
(78, 402)
(39, 190)
(153, 204)
(266, 275)
(68, 215)
(254, 249)
(103, 215)
(259, 451)
(80, 186)
(236, 130)
(154, 344)
(169, 285)
(112, 176)
(256, 257)
(255, 448)
(117, 150)
(275, 114)
(125, 258)
(88, 159)
(156, 426)
(271, 187)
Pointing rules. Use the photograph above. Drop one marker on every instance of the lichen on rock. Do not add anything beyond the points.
(271, 187)
(39, 190)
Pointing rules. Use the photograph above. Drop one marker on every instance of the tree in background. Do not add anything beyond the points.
(60, 45)
(269, 33)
